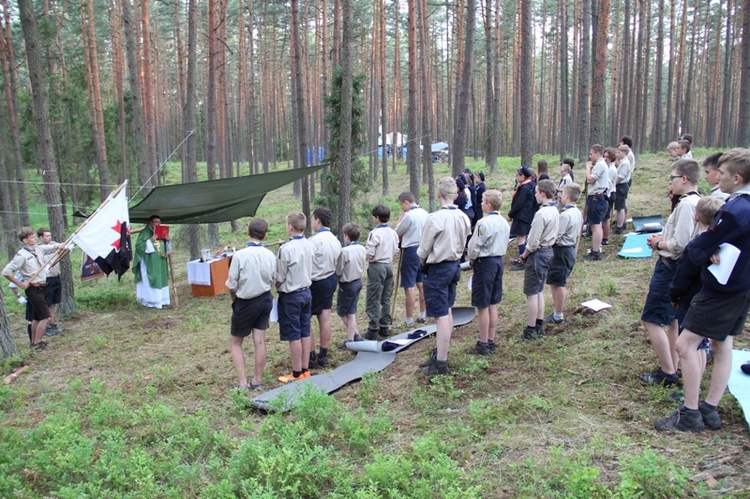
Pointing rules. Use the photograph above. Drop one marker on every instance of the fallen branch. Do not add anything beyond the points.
(12, 376)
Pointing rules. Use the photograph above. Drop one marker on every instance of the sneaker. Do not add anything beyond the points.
(618, 230)
(422, 320)
(540, 330)
(408, 325)
(551, 319)
(479, 349)
(518, 266)
(289, 378)
(51, 331)
(492, 347)
(710, 416)
(371, 335)
(431, 360)
(659, 377)
(22, 300)
(384, 332)
(322, 361)
(313, 361)
(605, 242)
(529, 333)
(682, 420)
(586, 234)
(594, 256)
(439, 367)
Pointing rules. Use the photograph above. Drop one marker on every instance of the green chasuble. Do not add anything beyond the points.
(157, 266)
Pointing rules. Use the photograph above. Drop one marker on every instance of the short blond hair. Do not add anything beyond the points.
(297, 220)
(706, 209)
(494, 198)
(673, 145)
(447, 189)
(737, 162)
(573, 191)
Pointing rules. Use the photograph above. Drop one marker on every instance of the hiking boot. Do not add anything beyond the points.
(357, 337)
(518, 266)
(431, 360)
(322, 361)
(710, 416)
(371, 335)
(682, 420)
(313, 361)
(594, 256)
(479, 349)
(439, 367)
(540, 330)
(551, 319)
(51, 331)
(384, 332)
(618, 230)
(289, 378)
(529, 333)
(659, 377)
(605, 242)
(492, 347)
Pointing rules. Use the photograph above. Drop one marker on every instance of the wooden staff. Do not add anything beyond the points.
(396, 282)
(59, 254)
(12, 376)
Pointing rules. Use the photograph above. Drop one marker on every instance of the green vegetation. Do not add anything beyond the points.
(135, 403)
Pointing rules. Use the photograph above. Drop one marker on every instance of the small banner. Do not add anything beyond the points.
(89, 268)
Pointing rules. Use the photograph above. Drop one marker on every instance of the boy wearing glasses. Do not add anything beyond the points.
(658, 311)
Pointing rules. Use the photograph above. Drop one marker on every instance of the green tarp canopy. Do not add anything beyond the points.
(213, 201)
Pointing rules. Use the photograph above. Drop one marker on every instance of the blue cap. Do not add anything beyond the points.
(526, 172)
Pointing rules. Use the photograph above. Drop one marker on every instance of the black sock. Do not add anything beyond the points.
(28, 330)
(490, 342)
(312, 355)
(323, 352)
(297, 374)
(539, 323)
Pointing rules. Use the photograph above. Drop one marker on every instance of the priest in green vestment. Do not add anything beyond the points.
(150, 267)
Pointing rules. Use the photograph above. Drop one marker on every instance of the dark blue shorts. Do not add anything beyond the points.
(658, 309)
(410, 274)
(519, 228)
(294, 315)
(54, 290)
(717, 318)
(322, 293)
(535, 273)
(563, 260)
(347, 298)
(440, 287)
(251, 314)
(487, 283)
(622, 195)
(596, 207)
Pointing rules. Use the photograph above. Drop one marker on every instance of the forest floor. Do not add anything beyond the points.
(136, 402)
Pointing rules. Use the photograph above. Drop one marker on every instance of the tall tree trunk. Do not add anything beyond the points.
(526, 82)
(564, 81)
(8, 214)
(44, 147)
(460, 132)
(743, 138)
(301, 121)
(584, 73)
(345, 138)
(426, 128)
(412, 141)
(7, 59)
(598, 87)
(148, 93)
(95, 95)
(383, 94)
(727, 83)
(212, 107)
(115, 23)
(144, 175)
(189, 121)
(656, 127)
(496, 73)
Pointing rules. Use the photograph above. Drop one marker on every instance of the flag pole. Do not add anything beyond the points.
(59, 254)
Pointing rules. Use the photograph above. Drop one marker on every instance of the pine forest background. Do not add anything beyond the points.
(241, 87)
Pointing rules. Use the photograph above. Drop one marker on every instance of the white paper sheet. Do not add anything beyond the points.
(596, 305)
(728, 255)
(274, 317)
